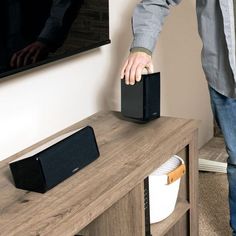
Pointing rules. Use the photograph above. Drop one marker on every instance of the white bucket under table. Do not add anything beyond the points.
(164, 187)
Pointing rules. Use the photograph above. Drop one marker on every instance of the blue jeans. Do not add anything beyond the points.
(224, 111)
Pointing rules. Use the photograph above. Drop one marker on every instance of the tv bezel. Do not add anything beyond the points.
(55, 58)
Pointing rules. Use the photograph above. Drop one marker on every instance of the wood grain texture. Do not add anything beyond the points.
(163, 227)
(181, 227)
(193, 185)
(129, 153)
(124, 218)
(184, 183)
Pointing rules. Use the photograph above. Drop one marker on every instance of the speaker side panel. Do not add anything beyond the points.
(152, 96)
(27, 174)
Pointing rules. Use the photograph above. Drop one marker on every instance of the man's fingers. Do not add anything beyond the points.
(28, 58)
(20, 58)
(36, 55)
(122, 74)
(127, 73)
(134, 65)
(132, 76)
(150, 68)
(139, 72)
(13, 60)
(133, 71)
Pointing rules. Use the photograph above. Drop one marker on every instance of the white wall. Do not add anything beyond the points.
(184, 87)
(37, 103)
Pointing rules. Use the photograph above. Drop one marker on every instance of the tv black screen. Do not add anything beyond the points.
(35, 32)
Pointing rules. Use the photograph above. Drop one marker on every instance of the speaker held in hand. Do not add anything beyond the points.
(141, 101)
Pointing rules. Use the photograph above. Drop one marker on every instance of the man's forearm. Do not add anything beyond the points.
(147, 22)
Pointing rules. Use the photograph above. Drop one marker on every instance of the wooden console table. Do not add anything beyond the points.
(106, 198)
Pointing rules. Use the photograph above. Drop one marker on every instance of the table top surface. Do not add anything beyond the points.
(129, 152)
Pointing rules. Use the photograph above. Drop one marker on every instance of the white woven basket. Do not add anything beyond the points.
(164, 187)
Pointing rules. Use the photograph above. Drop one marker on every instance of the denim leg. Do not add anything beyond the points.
(224, 111)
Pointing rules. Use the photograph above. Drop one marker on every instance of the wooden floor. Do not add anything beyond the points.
(214, 150)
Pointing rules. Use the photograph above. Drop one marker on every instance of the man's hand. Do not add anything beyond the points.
(134, 65)
(30, 54)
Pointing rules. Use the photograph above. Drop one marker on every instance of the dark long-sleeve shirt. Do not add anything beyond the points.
(27, 21)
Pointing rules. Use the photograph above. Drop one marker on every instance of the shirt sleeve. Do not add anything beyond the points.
(56, 28)
(139, 49)
(147, 22)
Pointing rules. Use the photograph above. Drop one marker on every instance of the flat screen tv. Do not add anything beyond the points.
(35, 32)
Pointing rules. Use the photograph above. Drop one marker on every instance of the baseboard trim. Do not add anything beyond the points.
(212, 166)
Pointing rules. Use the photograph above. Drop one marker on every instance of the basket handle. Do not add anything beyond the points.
(176, 174)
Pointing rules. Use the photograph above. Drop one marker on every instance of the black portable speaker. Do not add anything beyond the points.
(48, 167)
(141, 101)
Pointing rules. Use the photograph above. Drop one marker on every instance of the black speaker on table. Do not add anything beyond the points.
(46, 168)
(141, 101)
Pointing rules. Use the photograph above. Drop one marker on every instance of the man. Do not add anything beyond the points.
(30, 30)
(217, 31)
